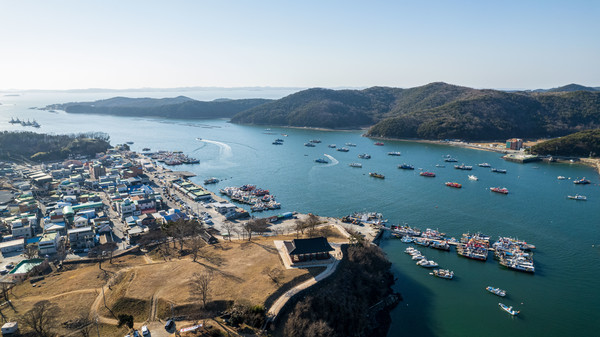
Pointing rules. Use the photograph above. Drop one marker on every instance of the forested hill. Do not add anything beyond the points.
(350, 108)
(436, 111)
(579, 144)
(433, 111)
(177, 107)
(498, 115)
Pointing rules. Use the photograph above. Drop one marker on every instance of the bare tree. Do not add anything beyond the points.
(312, 221)
(275, 274)
(6, 288)
(256, 225)
(299, 226)
(195, 244)
(201, 286)
(42, 318)
(30, 251)
(61, 251)
(229, 227)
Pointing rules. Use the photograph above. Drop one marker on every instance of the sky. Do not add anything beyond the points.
(64, 44)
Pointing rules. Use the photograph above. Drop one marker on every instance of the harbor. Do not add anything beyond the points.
(537, 209)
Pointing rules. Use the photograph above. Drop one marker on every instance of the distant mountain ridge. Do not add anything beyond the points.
(568, 88)
(176, 107)
(433, 111)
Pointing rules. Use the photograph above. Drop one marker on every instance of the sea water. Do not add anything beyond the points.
(560, 299)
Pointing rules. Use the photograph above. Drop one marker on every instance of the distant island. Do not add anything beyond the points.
(177, 107)
(434, 111)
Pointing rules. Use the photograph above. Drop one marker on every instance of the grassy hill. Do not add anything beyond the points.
(579, 144)
(176, 107)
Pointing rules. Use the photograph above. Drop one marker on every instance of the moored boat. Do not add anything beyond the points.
(379, 144)
(351, 144)
(484, 165)
(581, 181)
(406, 239)
(406, 167)
(561, 178)
(309, 145)
(502, 190)
(395, 153)
(453, 184)
(321, 161)
(427, 174)
(463, 167)
(364, 156)
(376, 175)
(473, 177)
(508, 309)
(450, 160)
(355, 165)
(211, 181)
(496, 291)
(577, 197)
(443, 273)
(427, 263)
(343, 149)
(332, 146)
(499, 170)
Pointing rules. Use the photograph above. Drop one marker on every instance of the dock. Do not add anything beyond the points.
(521, 158)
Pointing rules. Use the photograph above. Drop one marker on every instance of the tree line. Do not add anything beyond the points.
(31, 146)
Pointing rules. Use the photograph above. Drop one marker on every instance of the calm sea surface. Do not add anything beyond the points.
(561, 299)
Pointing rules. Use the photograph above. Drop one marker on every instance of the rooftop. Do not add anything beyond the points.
(308, 246)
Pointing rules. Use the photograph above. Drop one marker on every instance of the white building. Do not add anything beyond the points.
(48, 243)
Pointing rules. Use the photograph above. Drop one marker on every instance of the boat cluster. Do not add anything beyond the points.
(24, 123)
(511, 253)
(514, 254)
(173, 158)
(425, 263)
(259, 199)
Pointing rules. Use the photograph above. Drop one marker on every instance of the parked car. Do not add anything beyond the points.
(169, 325)
(145, 331)
(3, 272)
(9, 266)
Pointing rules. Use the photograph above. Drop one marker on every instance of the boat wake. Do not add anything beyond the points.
(224, 149)
(333, 160)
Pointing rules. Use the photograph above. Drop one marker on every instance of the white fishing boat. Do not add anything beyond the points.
(473, 177)
(427, 263)
(496, 291)
(508, 309)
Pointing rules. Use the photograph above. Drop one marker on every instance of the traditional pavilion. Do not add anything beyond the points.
(301, 250)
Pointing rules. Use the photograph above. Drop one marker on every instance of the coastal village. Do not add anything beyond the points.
(72, 230)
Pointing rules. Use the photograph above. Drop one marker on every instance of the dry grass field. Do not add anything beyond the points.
(150, 286)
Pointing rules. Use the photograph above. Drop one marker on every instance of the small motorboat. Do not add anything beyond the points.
(577, 197)
(473, 177)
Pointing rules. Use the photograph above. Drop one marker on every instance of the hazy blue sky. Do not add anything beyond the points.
(326, 43)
